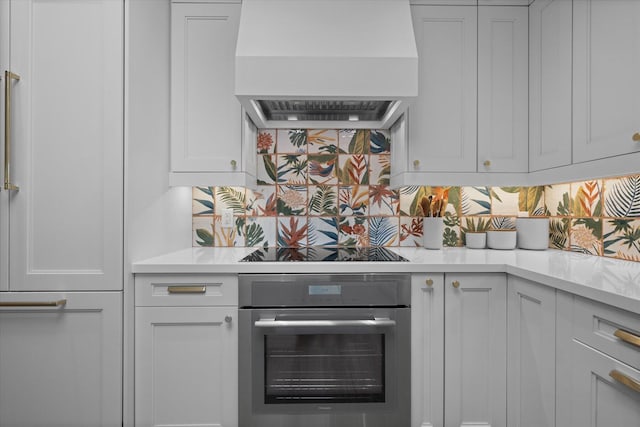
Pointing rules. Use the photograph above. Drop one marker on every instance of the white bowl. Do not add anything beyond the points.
(476, 240)
(501, 239)
(533, 233)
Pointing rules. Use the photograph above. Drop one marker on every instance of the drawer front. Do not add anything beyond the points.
(610, 330)
(157, 290)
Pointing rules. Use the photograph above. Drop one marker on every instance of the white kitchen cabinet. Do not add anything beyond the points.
(475, 349)
(503, 111)
(186, 355)
(442, 121)
(66, 219)
(550, 84)
(212, 140)
(4, 195)
(61, 365)
(606, 88)
(427, 349)
(531, 354)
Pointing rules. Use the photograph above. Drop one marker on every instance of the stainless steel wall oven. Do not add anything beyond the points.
(328, 350)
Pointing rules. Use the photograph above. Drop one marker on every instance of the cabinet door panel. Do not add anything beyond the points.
(442, 121)
(4, 195)
(427, 349)
(206, 116)
(606, 88)
(66, 219)
(186, 366)
(475, 349)
(61, 366)
(503, 111)
(531, 354)
(549, 84)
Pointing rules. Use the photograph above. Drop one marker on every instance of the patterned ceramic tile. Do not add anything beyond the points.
(292, 141)
(262, 201)
(354, 141)
(586, 235)
(353, 231)
(323, 200)
(503, 223)
(380, 169)
(323, 168)
(380, 142)
(475, 223)
(229, 236)
(559, 233)
(622, 197)
(383, 200)
(292, 168)
(353, 200)
(266, 141)
(292, 231)
(475, 201)
(408, 204)
(383, 231)
(230, 198)
(505, 200)
(292, 200)
(267, 173)
(202, 227)
(534, 201)
(202, 203)
(452, 234)
(322, 141)
(323, 231)
(410, 231)
(557, 199)
(260, 231)
(621, 238)
(585, 198)
(353, 169)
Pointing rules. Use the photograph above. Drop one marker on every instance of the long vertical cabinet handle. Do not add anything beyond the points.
(8, 77)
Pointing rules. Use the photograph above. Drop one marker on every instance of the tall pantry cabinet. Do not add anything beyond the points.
(61, 212)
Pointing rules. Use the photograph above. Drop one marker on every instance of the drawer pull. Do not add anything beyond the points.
(187, 289)
(429, 282)
(455, 284)
(58, 303)
(627, 337)
(633, 384)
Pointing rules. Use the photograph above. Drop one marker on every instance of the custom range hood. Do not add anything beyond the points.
(326, 63)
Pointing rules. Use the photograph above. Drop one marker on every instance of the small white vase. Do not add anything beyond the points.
(533, 233)
(432, 231)
(476, 239)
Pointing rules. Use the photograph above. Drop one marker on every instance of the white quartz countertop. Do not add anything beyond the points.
(610, 281)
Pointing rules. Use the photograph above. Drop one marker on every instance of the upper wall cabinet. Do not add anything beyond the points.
(503, 111)
(606, 87)
(211, 139)
(549, 84)
(65, 122)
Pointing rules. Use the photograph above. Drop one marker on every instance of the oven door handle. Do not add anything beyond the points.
(272, 323)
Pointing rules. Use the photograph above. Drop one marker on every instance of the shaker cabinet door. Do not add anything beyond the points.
(606, 87)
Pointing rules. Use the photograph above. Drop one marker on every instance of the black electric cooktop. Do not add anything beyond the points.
(322, 254)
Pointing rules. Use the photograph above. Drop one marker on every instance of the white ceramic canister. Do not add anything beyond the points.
(533, 233)
(501, 239)
(476, 239)
(432, 231)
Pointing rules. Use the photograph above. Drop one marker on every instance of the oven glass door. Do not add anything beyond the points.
(324, 359)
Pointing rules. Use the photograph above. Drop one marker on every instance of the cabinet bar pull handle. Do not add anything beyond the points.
(8, 76)
(187, 289)
(627, 337)
(633, 384)
(58, 303)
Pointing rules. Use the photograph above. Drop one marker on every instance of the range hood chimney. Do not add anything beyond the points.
(326, 63)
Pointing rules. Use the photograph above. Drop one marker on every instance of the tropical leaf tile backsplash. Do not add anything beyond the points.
(331, 187)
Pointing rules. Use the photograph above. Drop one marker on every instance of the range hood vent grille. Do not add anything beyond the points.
(324, 110)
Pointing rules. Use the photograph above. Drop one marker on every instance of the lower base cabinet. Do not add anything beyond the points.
(186, 356)
(61, 365)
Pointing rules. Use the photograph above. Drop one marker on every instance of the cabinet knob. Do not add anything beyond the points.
(228, 319)
(455, 284)
(234, 164)
(416, 164)
(487, 163)
(636, 137)
(429, 282)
